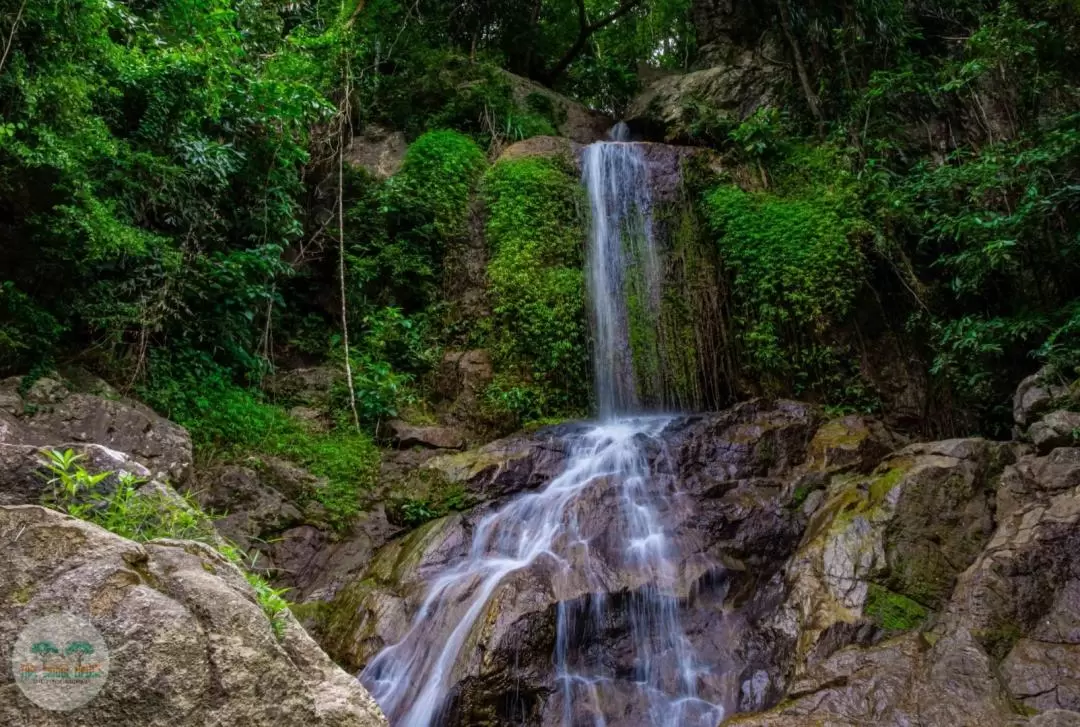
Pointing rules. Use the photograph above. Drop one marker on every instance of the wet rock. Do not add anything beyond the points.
(1057, 429)
(51, 415)
(377, 150)
(507, 466)
(406, 435)
(1037, 394)
(189, 643)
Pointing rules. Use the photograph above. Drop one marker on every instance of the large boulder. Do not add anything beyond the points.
(894, 539)
(1038, 394)
(188, 641)
(379, 151)
(573, 120)
(1004, 648)
(48, 413)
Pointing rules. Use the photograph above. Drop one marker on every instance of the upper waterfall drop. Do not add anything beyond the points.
(623, 265)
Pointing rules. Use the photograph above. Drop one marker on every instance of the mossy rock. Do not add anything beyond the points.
(893, 611)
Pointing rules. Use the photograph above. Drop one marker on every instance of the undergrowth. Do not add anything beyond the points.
(122, 504)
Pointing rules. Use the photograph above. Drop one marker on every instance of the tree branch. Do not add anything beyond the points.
(585, 31)
(11, 35)
(800, 66)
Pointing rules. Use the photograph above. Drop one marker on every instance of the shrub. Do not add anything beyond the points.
(227, 421)
(538, 337)
(796, 267)
(142, 516)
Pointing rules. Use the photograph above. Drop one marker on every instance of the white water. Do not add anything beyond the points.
(620, 242)
(553, 530)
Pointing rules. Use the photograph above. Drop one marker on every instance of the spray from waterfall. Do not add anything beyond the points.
(554, 536)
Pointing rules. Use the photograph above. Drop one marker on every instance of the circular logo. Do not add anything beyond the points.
(60, 662)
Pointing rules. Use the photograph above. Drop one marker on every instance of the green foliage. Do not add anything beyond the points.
(796, 266)
(439, 172)
(229, 422)
(893, 611)
(271, 600)
(538, 337)
(426, 494)
(157, 159)
(115, 502)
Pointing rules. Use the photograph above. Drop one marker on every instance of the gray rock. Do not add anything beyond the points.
(247, 511)
(577, 122)
(1057, 429)
(732, 90)
(377, 150)
(309, 387)
(189, 643)
(52, 416)
(1036, 394)
(406, 435)
(25, 481)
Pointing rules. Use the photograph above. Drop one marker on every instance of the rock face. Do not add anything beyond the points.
(50, 414)
(378, 150)
(188, 641)
(735, 73)
(831, 573)
(575, 121)
(731, 511)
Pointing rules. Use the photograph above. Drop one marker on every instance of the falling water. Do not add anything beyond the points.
(554, 532)
(622, 262)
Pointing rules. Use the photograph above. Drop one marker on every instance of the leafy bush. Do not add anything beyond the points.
(227, 421)
(538, 337)
(121, 508)
(796, 267)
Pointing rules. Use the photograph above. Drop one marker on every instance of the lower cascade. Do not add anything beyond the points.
(554, 536)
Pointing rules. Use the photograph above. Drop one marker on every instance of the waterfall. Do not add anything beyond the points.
(567, 536)
(623, 265)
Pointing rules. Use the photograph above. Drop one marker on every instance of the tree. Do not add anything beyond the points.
(79, 649)
(44, 649)
(585, 31)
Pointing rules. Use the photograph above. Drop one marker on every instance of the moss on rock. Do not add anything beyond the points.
(538, 332)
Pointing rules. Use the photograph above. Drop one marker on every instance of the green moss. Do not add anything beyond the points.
(22, 596)
(893, 611)
(437, 177)
(538, 328)
(882, 484)
(426, 494)
(227, 422)
(1000, 640)
(795, 265)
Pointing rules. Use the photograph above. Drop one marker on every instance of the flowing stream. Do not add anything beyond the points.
(545, 530)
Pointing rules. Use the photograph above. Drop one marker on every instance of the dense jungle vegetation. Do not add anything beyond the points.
(176, 214)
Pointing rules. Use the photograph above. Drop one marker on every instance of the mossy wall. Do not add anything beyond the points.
(537, 333)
